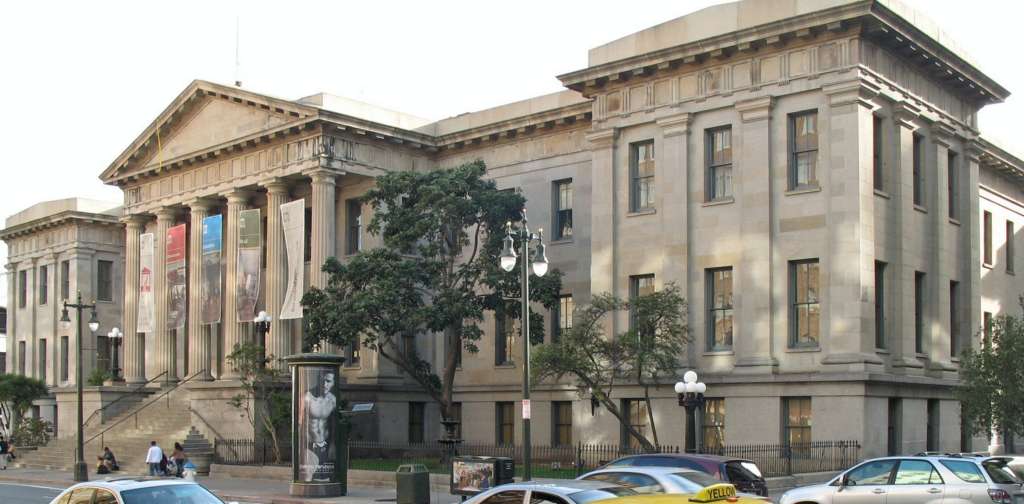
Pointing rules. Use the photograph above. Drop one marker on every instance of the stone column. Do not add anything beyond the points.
(134, 342)
(12, 317)
(279, 338)
(323, 232)
(165, 358)
(198, 334)
(238, 200)
(904, 355)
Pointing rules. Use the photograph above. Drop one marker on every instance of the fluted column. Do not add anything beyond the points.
(12, 317)
(323, 232)
(166, 351)
(238, 200)
(198, 334)
(279, 338)
(134, 343)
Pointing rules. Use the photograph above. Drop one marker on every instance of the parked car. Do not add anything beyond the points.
(550, 492)
(721, 492)
(740, 472)
(918, 479)
(138, 490)
(660, 480)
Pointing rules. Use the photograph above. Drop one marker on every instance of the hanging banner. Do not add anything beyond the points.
(212, 246)
(176, 277)
(147, 303)
(248, 286)
(294, 223)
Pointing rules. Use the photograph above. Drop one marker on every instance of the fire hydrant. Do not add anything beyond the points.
(190, 471)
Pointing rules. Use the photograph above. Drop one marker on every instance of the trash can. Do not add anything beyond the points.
(190, 471)
(412, 484)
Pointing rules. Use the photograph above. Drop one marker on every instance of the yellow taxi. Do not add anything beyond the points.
(720, 493)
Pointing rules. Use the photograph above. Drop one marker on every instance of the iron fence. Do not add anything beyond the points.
(250, 452)
(783, 460)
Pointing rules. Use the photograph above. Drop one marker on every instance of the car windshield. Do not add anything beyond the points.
(604, 493)
(743, 471)
(693, 481)
(1000, 472)
(170, 494)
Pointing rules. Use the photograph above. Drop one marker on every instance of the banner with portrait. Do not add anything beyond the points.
(316, 422)
(293, 220)
(176, 277)
(248, 287)
(211, 291)
(147, 302)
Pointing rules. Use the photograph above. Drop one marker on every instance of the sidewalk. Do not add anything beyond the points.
(259, 491)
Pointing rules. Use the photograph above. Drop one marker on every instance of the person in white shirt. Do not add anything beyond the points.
(153, 458)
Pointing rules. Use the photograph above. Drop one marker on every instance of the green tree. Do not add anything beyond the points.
(436, 271)
(991, 390)
(646, 355)
(263, 403)
(16, 395)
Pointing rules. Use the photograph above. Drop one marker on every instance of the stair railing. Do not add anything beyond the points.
(135, 414)
(216, 434)
(115, 401)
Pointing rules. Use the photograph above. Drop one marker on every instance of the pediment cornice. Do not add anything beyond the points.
(62, 219)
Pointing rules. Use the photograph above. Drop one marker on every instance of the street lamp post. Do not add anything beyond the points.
(115, 335)
(691, 396)
(81, 469)
(262, 326)
(540, 267)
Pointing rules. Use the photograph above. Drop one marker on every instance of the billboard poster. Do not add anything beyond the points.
(147, 303)
(471, 477)
(248, 287)
(317, 421)
(211, 291)
(176, 277)
(294, 223)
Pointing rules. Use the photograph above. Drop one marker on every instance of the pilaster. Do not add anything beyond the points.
(134, 342)
(675, 154)
(238, 200)
(603, 252)
(943, 257)
(904, 354)
(279, 338)
(198, 334)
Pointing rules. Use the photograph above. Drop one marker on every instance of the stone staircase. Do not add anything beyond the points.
(163, 417)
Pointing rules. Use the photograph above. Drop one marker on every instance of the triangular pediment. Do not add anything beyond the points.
(204, 118)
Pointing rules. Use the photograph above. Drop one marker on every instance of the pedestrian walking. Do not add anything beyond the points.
(153, 458)
(4, 450)
(179, 459)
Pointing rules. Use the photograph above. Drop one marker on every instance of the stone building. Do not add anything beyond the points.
(811, 173)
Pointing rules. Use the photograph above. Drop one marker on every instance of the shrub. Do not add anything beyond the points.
(31, 432)
(98, 376)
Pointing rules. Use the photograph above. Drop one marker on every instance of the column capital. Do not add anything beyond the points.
(323, 176)
(858, 91)
(942, 133)
(11, 267)
(166, 214)
(201, 204)
(276, 186)
(602, 138)
(134, 221)
(905, 114)
(758, 109)
(238, 195)
(678, 124)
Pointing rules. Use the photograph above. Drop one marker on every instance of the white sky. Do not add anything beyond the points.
(82, 80)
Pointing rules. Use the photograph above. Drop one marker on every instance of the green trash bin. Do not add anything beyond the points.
(412, 484)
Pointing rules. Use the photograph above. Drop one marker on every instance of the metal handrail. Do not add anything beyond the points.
(214, 431)
(140, 387)
(136, 413)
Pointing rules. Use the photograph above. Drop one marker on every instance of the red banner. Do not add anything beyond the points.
(176, 277)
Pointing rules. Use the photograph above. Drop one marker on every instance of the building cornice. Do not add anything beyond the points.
(61, 219)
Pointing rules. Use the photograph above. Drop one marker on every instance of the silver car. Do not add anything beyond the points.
(917, 479)
(658, 480)
(550, 492)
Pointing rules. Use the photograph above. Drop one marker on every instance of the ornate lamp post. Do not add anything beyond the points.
(691, 396)
(116, 336)
(540, 267)
(262, 326)
(81, 469)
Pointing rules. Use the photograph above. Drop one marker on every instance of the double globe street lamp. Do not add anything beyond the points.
(540, 267)
(115, 336)
(691, 396)
(262, 326)
(81, 469)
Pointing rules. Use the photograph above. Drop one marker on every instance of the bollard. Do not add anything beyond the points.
(190, 471)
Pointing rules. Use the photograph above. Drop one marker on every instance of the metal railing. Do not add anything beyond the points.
(115, 401)
(786, 459)
(250, 451)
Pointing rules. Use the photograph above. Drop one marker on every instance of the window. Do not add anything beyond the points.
(457, 416)
(918, 312)
(803, 134)
(916, 472)
(797, 421)
(22, 288)
(407, 344)
(263, 242)
(307, 251)
(719, 159)
(506, 423)
(352, 353)
(872, 473)
(954, 319)
(719, 322)
(713, 424)
(416, 422)
(104, 280)
(65, 279)
(953, 184)
(563, 209)
(21, 357)
(42, 359)
(878, 160)
(561, 414)
(965, 470)
(987, 245)
(642, 176)
(640, 285)
(354, 226)
(804, 302)
(562, 317)
(987, 326)
(636, 413)
(63, 358)
(932, 430)
(103, 352)
(918, 170)
(895, 423)
(505, 341)
(104, 497)
(44, 283)
(1010, 247)
(879, 304)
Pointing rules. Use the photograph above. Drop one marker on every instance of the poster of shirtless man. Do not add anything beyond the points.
(318, 420)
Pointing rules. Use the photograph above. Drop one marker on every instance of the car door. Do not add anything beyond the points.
(867, 483)
(916, 482)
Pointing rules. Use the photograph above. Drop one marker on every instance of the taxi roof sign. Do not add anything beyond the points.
(715, 493)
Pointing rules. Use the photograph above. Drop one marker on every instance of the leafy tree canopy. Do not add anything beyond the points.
(991, 392)
(16, 395)
(646, 355)
(436, 271)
